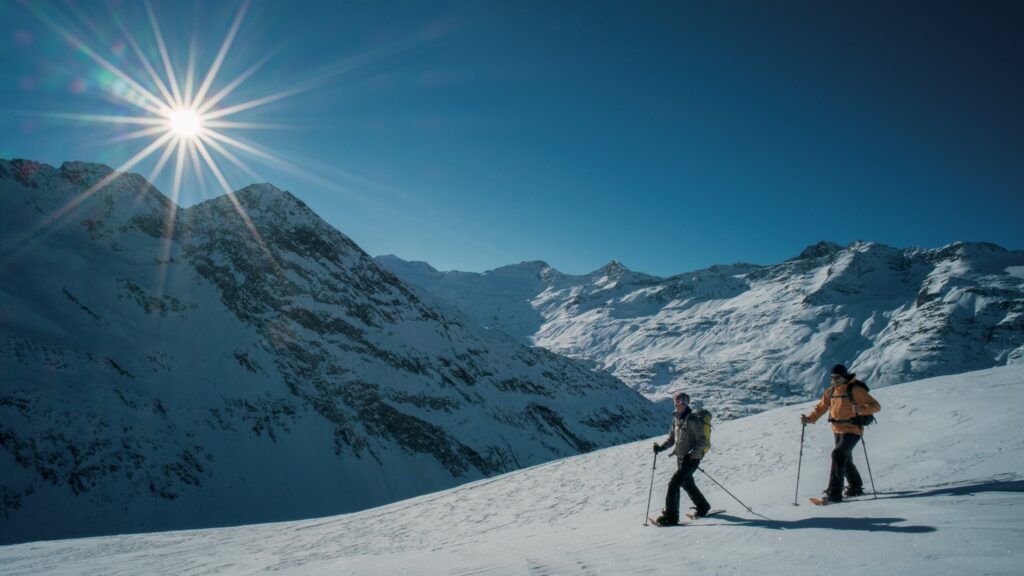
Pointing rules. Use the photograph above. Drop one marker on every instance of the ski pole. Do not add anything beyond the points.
(647, 515)
(799, 461)
(865, 446)
(733, 495)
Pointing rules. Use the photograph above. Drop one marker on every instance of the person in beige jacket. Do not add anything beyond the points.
(845, 418)
(687, 437)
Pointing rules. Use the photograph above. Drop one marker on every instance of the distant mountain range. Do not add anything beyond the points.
(744, 337)
(247, 369)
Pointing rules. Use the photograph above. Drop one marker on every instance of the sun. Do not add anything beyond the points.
(185, 123)
(186, 120)
(185, 116)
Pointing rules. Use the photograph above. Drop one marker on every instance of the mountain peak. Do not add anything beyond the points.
(819, 250)
(261, 202)
(614, 265)
(88, 174)
(532, 267)
(266, 194)
(612, 271)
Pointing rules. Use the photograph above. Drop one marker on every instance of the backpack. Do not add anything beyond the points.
(705, 417)
(863, 420)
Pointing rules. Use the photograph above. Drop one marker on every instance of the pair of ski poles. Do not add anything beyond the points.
(796, 495)
(651, 493)
(800, 460)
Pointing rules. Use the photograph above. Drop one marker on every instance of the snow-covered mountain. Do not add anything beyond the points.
(945, 459)
(246, 369)
(745, 337)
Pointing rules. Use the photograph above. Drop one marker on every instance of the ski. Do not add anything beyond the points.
(820, 502)
(693, 515)
(656, 525)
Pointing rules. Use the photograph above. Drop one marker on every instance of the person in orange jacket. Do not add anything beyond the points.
(844, 416)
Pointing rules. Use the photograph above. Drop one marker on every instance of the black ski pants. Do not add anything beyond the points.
(684, 478)
(842, 466)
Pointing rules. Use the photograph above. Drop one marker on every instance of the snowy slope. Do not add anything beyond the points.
(218, 377)
(946, 457)
(752, 337)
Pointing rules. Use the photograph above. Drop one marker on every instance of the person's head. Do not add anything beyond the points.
(839, 374)
(682, 400)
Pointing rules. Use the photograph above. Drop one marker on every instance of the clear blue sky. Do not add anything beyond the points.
(667, 135)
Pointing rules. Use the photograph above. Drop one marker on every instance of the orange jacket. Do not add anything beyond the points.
(837, 404)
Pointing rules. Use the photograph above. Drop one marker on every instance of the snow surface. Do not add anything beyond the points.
(947, 459)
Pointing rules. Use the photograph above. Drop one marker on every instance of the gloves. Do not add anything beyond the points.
(804, 419)
(657, 448)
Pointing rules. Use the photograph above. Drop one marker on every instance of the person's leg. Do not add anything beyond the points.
(836, 472)
(671, 511)
(688, 468)
(842, 466)
(855, 485)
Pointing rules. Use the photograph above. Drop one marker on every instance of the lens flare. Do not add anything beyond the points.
(185, 123)
(181, 119)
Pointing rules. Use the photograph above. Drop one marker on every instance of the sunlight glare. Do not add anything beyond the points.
(185, 123)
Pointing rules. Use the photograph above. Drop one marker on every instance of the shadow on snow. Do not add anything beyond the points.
(869, 524)
(846, 523)
(953, 490)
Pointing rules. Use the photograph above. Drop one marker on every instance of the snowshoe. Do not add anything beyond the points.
(826, 500)
(664, 520)
(695, 515)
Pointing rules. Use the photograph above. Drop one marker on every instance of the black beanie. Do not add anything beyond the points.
(839, 369)
(682, 396)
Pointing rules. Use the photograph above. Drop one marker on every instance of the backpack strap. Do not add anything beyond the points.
(850, 386)
(858, 420)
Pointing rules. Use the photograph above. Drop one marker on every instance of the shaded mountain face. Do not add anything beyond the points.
(744, 338)
(247, 369)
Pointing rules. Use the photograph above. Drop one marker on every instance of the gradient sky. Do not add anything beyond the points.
(668, 135)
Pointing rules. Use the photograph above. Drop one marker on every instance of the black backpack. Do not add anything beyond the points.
(863, 420)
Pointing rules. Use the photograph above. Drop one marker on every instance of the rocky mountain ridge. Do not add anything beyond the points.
(746, 337)
(252, 365)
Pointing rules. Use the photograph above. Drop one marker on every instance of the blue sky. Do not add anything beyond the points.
(668, 135)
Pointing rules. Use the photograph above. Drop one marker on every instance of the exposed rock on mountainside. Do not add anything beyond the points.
(744, 337)
(246, 369)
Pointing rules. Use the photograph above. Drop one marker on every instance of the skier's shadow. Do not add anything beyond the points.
(961, 490)
(866, 524)
(879, 524)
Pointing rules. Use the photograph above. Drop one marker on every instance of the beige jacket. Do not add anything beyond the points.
(687, 435)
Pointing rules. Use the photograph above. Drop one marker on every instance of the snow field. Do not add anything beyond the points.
(946, 456)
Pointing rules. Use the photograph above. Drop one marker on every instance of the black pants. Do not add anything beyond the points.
(842, 466)
(684, 478)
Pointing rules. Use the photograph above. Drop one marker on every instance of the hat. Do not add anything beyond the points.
(839, 369)
(683, 396)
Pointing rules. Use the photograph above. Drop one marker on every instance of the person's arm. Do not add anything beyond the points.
(864, 403)
(668, 442)
(819, 410)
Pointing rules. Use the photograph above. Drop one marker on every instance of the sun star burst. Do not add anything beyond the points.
(183, 120)
(185, 123)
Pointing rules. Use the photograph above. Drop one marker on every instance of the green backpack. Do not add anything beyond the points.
(705, 417)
